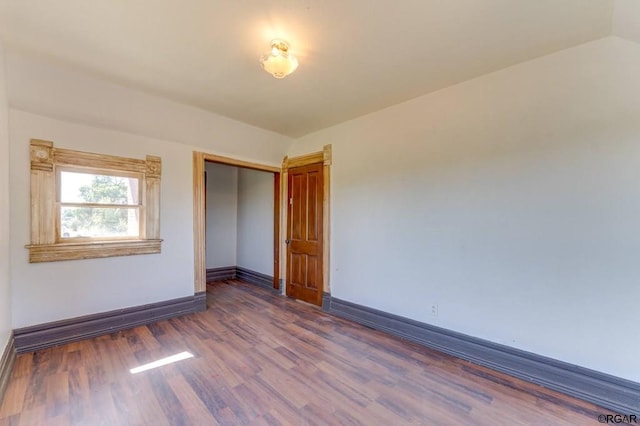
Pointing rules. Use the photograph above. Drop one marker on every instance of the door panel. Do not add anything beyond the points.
(312, 272)
(304, 251)
(312, 221)
(297, 210)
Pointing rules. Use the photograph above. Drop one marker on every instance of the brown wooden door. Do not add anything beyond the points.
(304, 234)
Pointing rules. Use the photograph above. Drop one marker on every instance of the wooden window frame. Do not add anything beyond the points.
(46, 244)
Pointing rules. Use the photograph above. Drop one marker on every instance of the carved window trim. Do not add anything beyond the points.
(45, 246)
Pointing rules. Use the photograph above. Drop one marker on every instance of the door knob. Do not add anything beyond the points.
(287, 241)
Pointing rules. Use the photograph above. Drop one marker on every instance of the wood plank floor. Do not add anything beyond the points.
(264, 359)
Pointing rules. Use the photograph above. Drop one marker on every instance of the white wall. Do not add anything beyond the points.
(255, 221)
(222, 215)
(82, 112)
(5, 264)
(512, 201)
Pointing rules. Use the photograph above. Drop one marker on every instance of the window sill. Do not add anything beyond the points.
(90, 250)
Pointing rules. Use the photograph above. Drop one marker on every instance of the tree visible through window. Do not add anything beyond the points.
(86, 205)
(97, 205)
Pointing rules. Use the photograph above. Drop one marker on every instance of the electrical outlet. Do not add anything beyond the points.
(434, 310)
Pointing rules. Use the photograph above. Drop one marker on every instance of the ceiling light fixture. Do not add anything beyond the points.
(279, 62)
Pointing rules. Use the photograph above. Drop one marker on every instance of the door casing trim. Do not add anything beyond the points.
(199, 213)
(280, 210)
(325, 157)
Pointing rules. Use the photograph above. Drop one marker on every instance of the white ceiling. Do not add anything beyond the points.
(356, 56)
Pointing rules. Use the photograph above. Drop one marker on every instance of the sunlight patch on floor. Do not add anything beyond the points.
(159, 363)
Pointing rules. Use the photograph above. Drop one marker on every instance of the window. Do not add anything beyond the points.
(97, 205)
(86, 205)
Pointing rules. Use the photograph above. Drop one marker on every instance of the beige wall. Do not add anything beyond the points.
(80, 112)
(46, 292)
(222, 215)
(55, 91)
(5, 264)
(255, 221)
(239, 218)
(512, 201)
(626, 19)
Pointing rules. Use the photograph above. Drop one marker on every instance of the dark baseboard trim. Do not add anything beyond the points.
(256, 278)
(30, 339)
(200, 302)
(221, 274)
(326, 302)
(610, 392)
(240, 273)
(6, 365)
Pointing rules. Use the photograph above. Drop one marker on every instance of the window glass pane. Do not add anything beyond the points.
(100, 189)
(99, 222)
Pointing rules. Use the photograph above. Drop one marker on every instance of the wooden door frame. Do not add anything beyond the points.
(280, 211)
(325, 158)
(199, 214)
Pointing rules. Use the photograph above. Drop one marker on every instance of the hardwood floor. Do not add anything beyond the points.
(264, 359)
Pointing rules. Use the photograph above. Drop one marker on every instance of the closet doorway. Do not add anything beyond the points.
(236, 221)
(310, 248)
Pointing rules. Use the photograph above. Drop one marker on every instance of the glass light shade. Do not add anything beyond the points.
(279, 62)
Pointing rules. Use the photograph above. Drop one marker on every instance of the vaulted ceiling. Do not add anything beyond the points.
(356, 56)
